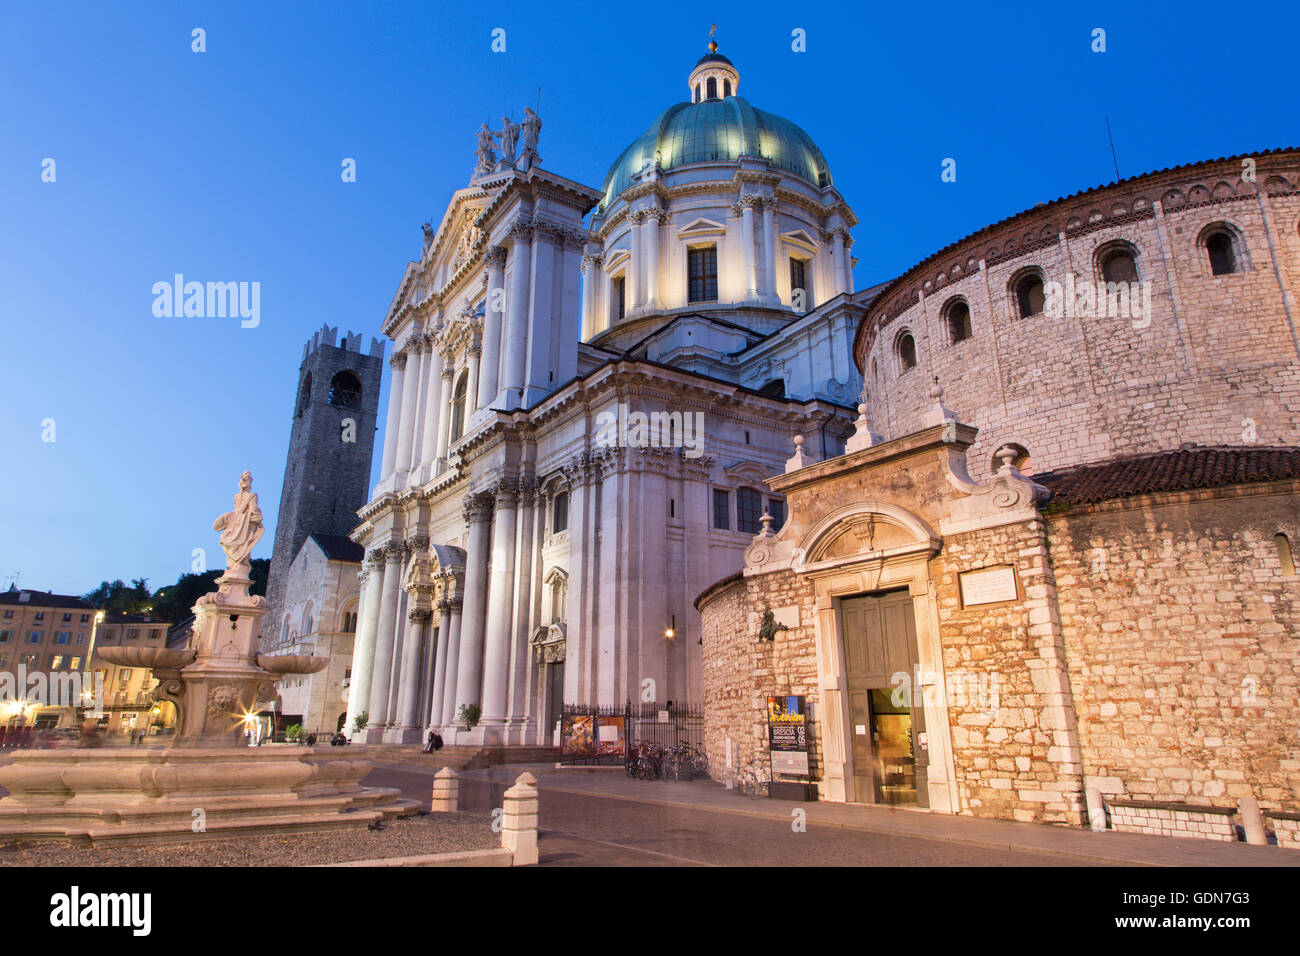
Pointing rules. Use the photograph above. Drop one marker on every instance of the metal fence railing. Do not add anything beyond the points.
(605, 735)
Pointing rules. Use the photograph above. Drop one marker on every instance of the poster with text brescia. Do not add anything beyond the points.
(787, 735)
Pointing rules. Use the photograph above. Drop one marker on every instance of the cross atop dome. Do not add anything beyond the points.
(714, 76)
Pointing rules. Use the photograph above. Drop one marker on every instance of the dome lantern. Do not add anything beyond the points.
(714, 76)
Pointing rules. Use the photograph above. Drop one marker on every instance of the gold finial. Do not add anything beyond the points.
(713, 42)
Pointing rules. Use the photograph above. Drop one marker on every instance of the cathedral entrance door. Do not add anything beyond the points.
(554, 697)
(886, 718)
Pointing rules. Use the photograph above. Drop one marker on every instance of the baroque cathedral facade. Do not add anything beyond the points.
(589, 389)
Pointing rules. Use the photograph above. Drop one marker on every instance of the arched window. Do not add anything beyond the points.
(697, 92)
(726, 87)
(1284, 554)
(958, 315)
(284, 631)
(906, 351)
(1118, 265)
(345, 390)
(304, 396)
(560, 513)
(749, 508)
(711, 88)
(1021, 460)
(1222, 252)
(1029, 295)
(458, 408)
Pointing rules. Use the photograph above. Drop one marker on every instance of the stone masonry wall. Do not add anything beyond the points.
(1183, 638)
(1014, 742)
(740, 671)
(1216, 361)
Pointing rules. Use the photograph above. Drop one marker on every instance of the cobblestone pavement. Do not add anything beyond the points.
(594, 830)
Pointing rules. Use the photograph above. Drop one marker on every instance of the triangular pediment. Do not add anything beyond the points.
(800, 238)
(701, 227)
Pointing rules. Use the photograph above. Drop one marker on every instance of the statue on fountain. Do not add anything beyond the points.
(241, 528)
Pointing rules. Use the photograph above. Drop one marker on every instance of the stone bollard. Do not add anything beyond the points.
(519, 820)
(446, 791)
(1096, 810)
(1252, 821)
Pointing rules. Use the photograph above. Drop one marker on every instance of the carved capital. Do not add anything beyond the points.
(477, 508)
(590, 262)
(522, 230)
(397, 361)
(495, 256)
(417, 615)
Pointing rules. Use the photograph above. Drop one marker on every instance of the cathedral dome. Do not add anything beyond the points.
(719, 126)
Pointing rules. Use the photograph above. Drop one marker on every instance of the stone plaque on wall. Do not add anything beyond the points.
(988, 586)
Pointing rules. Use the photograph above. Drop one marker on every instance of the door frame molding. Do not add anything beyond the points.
(859, 574)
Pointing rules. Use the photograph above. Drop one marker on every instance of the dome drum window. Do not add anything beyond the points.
(1223, 249)
(906, 349)
(957, 318)
(1029, 295)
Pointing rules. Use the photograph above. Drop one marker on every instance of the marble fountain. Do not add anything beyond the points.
(206, 783)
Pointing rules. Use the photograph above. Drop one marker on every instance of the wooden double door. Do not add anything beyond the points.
(886, 712)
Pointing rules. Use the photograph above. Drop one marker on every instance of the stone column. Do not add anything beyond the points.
(440, 662)
(433, 408)
(635, 267)
(416, 423)
(471, 390)
(769, 250)
(444, 412)
(469, 667)
(526, 545)
(496, 657)
(363, 648)
(488, 379)
(409, 383)
(447, 703)
(612, 578)
(408, 695)
(591, 276)
(393, 423)
(651, 241)
(515, 344)
(837, 258)
(386, 636)
(747, 237)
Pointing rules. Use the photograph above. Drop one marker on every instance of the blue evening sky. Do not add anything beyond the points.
(225, 165)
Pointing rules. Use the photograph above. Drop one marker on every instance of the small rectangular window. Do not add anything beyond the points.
(776, 508)
(561, 516)
(62, 637)
(800, 294)
(4, 637)
(81, 637)
(721, 509)
(40, 615)
(672, 507)
(67, 619)
(619, 288)
(34, 637)
(702, 266)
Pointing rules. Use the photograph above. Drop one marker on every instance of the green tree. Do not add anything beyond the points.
(118, 596)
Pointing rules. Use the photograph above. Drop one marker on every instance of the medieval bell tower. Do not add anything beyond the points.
(331, 440)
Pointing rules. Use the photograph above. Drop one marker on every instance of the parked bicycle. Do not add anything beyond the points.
(755, 777)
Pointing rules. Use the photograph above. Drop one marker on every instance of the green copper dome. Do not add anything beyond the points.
(717, 130)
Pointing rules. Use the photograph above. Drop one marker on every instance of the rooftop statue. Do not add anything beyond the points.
(531, 130)
(509, 137)
(485, 153)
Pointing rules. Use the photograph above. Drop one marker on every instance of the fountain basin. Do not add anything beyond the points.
(123, 796)
(163, 658)
(291, 663)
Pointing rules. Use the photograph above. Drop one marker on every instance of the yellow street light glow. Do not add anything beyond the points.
(669, 633)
